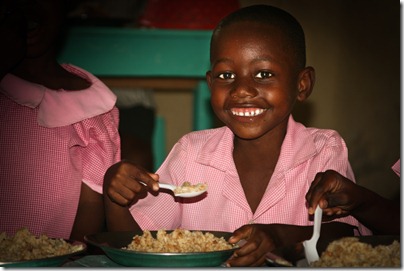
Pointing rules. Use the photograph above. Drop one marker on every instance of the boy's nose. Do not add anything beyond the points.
(243, 88)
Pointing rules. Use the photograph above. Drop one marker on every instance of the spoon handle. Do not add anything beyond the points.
(318, 214)
(167, 186)
(163, 185)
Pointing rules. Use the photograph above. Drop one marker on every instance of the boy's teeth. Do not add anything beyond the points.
(247, 112)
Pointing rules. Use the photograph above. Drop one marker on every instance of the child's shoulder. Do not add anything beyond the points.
(211, 136)
(321, 137)
(325, 136)
(206, 133)
(323, 132)
(297, 127)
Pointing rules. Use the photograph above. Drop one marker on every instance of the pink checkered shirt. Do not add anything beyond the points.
(51, 142)
(397, 167)
(206, 156)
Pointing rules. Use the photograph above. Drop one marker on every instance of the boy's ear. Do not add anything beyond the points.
(307, 77)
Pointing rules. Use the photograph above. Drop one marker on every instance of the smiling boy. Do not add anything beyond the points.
(258, 166)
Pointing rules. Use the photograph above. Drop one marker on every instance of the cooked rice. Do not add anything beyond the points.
(188, 187)
(350, 252)
(26, 246)
(178, 241)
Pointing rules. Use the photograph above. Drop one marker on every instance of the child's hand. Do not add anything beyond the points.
(121, 182)
(259, 241)
(335, 194)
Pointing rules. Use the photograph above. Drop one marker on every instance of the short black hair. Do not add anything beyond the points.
(274, 16)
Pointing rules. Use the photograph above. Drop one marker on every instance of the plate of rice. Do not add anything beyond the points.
(363, 252)
(171, 248)
(373, 251)
(24, 249)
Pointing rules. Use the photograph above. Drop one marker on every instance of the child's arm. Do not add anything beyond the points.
(90, 214)
(118, 218)
(263, 238)
(121, 190)
(337, 195)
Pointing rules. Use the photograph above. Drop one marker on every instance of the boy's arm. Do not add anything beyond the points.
(263, 238)
(118, 218)
(379, 214)
(338, 196)
(90, 217)
(289, 234)
(121, 189)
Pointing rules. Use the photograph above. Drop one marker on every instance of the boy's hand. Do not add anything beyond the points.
(121, 182)
(335, 194)
(259, 241)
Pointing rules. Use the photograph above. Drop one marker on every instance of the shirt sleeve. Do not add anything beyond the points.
(102, 147)
(397, 168)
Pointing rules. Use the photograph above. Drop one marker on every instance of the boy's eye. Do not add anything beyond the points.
(263, 74)
(226, 75)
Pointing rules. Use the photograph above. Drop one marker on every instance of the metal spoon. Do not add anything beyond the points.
(182, 194)
(310, 246)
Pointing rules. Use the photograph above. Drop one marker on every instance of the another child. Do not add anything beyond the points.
(59, 134)
(337, 196)
(259, 166)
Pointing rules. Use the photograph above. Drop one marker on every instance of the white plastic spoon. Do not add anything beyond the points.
(182, 194)
(310, 246)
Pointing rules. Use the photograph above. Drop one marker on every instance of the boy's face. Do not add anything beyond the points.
(253, 80)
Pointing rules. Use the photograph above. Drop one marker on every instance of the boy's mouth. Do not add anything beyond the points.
(247, 112)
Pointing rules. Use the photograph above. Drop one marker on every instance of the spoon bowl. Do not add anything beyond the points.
(175, 189)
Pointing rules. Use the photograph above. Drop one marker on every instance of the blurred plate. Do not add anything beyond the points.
(112, 242)
(48, 262)
(294, 254)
